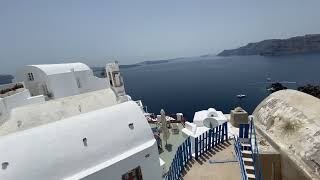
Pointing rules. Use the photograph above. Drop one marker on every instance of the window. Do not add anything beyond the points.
(78, 83)
(134, 174)
(110, 78)
(117, 79)
(30, 77)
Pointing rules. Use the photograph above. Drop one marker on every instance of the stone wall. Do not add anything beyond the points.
(291, 120)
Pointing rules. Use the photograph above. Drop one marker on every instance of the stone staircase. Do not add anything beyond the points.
(247, 151)
(247, 158)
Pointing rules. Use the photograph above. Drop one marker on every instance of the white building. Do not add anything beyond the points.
(60, 80)
(111, 143)
(116, 81)
(209, 118)
(71, 88)
(202, 122)
(15, 95)
(86, 129)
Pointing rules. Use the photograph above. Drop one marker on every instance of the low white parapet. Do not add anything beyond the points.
(191, 127)
(193, 131)
(162, 165)
(179, 116)
(209, 118)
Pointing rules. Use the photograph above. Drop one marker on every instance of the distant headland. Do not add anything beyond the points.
(276, 47)
(6, 78)
(150, 62)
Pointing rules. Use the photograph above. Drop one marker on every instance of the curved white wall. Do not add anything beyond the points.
(61, 82)
(56, 150)
(35, 86)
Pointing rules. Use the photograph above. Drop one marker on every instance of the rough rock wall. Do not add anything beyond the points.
(292, 120)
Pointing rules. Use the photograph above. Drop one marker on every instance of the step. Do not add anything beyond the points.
(249, 169)
(245, 144)
(247, 161)
(244, 140)
(246, 153)
(251, 176)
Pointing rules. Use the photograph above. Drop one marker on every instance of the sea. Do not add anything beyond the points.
(192, 84)
(188, 85)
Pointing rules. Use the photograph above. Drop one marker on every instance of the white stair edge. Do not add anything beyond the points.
(247, 159)
(246, 144)
(248, 167)
(251, 176)
(246, 152)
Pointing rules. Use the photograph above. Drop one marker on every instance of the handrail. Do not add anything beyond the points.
(255, 150)
(237, 149)
(203, 143)
(180, 160)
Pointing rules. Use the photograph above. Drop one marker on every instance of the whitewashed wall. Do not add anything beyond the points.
(62, 85)
(54, 110)
(21, 99)
(3, 111)
(56, 150)
(88, 82)
(8, 103)
(35, 86)
(150, 166)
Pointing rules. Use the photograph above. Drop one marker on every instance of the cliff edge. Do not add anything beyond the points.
(276, 47)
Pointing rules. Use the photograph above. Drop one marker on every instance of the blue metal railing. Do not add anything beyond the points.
(180, 160)
(247, 133)
(203, 143)
(210, 139)
(255, 151)
(237, 149)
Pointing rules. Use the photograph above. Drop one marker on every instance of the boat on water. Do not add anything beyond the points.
(59, 121)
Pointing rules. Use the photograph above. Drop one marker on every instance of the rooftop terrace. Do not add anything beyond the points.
(217, 163)
(202, 169)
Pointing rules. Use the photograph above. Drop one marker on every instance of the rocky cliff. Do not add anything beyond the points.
(275, 47)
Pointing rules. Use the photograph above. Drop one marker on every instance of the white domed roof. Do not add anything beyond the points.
(292, 120)
(212, 112)
(61, 68)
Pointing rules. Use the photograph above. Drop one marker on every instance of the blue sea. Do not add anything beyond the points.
(192, 84)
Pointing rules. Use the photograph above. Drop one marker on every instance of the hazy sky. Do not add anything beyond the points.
(94, 32)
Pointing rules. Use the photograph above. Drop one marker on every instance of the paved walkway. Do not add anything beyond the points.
(175, 140)
(203, 170)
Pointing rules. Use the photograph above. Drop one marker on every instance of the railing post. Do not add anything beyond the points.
(185, 151)
(196, 148)
(202, 142)
(226, 131)
(222, 134)
(219, 134)
(209, 139)
(201, 147)
(181, 160)
(216, 136)
(206, 141)
(190, 151)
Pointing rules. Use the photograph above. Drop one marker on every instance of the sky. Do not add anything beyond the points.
(96, 32)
